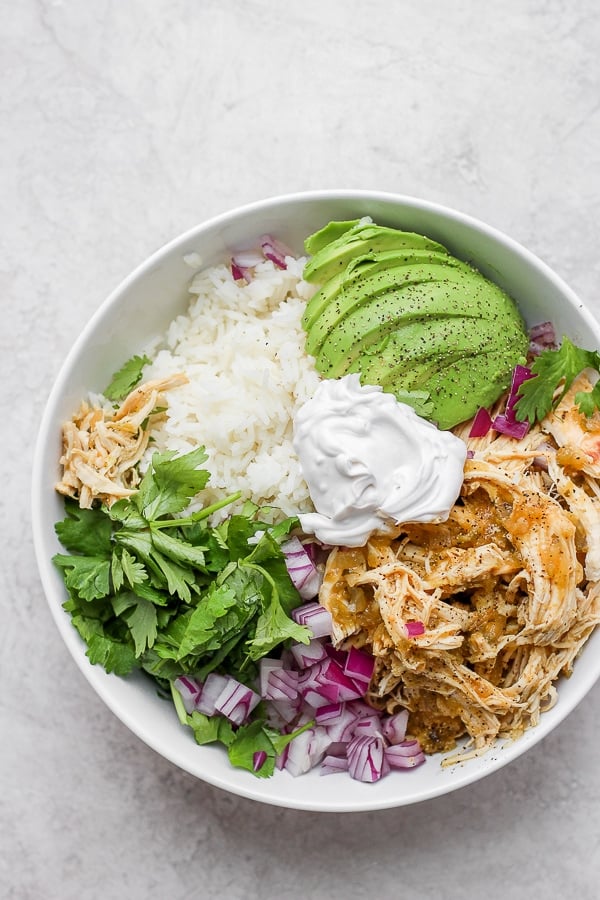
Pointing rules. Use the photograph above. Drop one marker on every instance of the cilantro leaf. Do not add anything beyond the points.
(550, 369)
(170, 483)
(256, 737)
(142, 624)
(86, 576)
(273, 627)
(86, 531)
(588, 401)
(126, 378)
(208, 729)
(113, 655)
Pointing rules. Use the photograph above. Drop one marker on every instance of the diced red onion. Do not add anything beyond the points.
(275, 250)
(366, 760)
(259, 758)
(213, 686)
(286, 709)
(281, 760)
(330, 712)
(506, 423)
(306, 750)
(247, 259)
(190, 690)
(315, 617)
(334, 653)
(265, 667)
(302, 570)
(331, 765)
(239, 273)
(414, 629)
(359, 665)
(368, 725)
(307, 654)
(397, 758)
(236, 701)
(394, 727)
(542, 337)
(481, 423)
(282, 684)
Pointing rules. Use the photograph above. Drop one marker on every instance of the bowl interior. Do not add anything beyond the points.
(139, 310)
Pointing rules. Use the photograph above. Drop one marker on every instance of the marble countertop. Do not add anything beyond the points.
(123, 125)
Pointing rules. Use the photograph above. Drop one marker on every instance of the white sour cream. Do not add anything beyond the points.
(369, 460)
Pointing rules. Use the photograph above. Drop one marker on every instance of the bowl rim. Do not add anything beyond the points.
(462, 778)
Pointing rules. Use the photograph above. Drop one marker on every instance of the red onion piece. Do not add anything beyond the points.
(282, 684)
(236, 701)
(397, 757)
(366, 760)
(247, 259)
(301, 568)
(306, 750)
(240, 274)
(368, 725)
(481, 423)
(259, 758)
(265, 667)
(275, 250)
(513, 429)
(414, 629)
(190, 690)
(542, 337)
(506, 423)
(359, 665)
(213, 686)
(331, 765)
(315, 617)
(394, 727)
(307, 654)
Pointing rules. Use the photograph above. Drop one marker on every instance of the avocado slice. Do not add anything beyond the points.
(360, 240)
(371, 281)
(399, 309)
(369, 323)
(369, 274)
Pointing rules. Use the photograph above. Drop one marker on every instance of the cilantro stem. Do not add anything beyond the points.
(197, 516)
(179, 707)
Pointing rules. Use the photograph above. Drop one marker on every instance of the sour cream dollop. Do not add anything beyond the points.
(369, 460)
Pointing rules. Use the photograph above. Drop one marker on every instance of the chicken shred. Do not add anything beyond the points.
(102, 446)
(508, 589)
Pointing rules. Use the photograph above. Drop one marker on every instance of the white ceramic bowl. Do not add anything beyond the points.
(139, 309)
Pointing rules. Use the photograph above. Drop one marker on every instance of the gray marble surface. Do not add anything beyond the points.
(124, 123)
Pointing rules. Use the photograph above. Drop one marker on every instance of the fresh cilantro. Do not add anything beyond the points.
(588, 401)
(126, 378)
(554, 369)
(154, 588)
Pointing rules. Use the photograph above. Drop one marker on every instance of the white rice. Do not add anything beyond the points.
(242, 348)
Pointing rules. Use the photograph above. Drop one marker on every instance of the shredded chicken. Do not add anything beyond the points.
(102, 446)
(508, 589)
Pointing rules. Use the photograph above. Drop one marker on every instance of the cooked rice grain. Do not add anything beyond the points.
(242, 348)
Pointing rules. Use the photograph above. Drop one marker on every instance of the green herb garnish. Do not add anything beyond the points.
(128, 376)
(153, 590)
(551, 369)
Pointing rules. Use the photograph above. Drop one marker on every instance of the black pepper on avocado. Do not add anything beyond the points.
(400, 310)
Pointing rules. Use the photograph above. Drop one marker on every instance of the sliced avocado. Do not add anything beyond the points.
(377, 282)
(369, 323)
(458, 391)
(371, 274)
(361, 240)
(400, 310)
(444, 340)
(326, 235)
